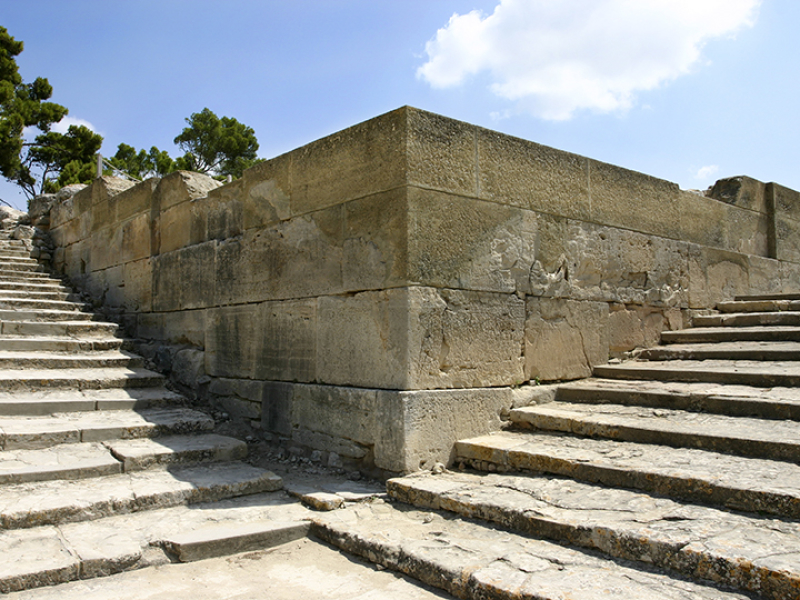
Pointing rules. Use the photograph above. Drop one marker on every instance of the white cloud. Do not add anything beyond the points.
(706, 172)
(558, 57)
(63, 125)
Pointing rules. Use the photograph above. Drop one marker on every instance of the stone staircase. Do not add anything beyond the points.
(673, 475)
(102, 468)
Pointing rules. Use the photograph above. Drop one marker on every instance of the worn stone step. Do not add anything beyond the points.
(749, 553)
(49, 402)
(33, 504)
(63, 461)
(69, 360)
(27, 305)
(789, 319)
(97, 426)
(745, 350)
(25, 265)
(716, 334)
(10, 261)
(43, 314)
(26, 380)
(77, 329)
(763, 305)
(744, 372)
(59, 344)
(741, 436)
(34, 286)
(788, 296)
(145, 453)
(732, 400)
(749, 484)
(470, 560)
(47, 555)
(44, 294)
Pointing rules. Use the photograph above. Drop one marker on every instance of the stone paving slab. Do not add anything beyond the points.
(744, 350)
(78, 379)
(733, 400)
(756, 485)
(94, 426)
(145, 453)
(48, 402)
(49, 554)
(752, 554)
(27, 505)
(735, 435)
(473, 561)
(65, 461)
(743, 372)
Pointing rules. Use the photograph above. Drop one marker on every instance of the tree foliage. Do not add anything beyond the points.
(143, 164)
(217, 146)
(52, 159)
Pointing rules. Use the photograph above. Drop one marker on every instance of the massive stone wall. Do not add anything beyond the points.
(382, 292)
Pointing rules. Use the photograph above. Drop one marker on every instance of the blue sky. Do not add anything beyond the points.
(685, 90)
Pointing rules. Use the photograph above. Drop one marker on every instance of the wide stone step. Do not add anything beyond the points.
(470, 560)
(26, 265)
(46, 555)
(96, 426)
(58, 501)
(752, 554)
(731, 334)
(77, 329)
(87, 460)
(49, 402)
(145, 453)
(725, 351)
(749, 484)
(732, 400)
(34, 286)
(63, 461)
(24, 380)
(741, 436)
(755, 373)
(28, 304)
(763, 305)
(44, 314)
(789, 296)
(69, 360)
(59, 344)
(789, 319)
(44, 294)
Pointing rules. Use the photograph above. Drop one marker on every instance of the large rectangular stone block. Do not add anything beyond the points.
(564, 339)
(716, 275)
(136, 200)
(375, 246)
(361, 160)
(464, 243)
(186, 327)
(106, 244)
(176, 224)
(787, 240)
(635, 326)
(138, 279)
(701, 219)
(624, 198)
(266, 192)
(532, 176)
(441, 153)
(182, 186)
(223, 212)
(744, 192)
(301, 257)
(340, 412)
(417, 429)
(232, 341)
(463, 339)
(287, 344)
(197, 281)
(135, 238)
(166, 282)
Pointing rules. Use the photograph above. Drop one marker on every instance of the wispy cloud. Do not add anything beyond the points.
(706, 172)
(555, 58)
(63, 125)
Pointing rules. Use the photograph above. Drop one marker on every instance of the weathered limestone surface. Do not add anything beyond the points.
(413, 252)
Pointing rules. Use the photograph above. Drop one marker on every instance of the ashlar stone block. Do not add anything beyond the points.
(564, 339)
